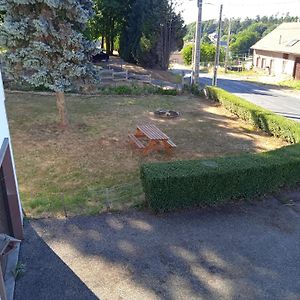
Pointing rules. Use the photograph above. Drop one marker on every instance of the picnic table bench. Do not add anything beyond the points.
(149, 137)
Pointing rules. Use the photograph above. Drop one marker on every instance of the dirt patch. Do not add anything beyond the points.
(117, 63)
(94, 152)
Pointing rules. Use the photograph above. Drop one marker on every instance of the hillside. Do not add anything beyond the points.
(244, 33)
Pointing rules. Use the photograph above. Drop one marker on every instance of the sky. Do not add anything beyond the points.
(239, 8)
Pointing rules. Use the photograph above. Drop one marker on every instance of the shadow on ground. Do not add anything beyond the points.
(46, 276)
(243, 251)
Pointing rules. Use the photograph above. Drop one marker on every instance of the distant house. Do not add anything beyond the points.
(279, 51)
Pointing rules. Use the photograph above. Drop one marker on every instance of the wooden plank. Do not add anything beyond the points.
(171, 144)
(152, 132)
(137, 142)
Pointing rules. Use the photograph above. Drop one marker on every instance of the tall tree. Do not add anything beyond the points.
(46, 46)
(108, 21)
(153, 30)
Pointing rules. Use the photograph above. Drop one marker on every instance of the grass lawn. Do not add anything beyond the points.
(94, 154)
(292, 84)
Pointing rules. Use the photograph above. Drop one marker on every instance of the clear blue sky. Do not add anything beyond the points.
(239, 8)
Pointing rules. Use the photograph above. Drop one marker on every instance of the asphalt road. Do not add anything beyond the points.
(283, 103)
(242, 251)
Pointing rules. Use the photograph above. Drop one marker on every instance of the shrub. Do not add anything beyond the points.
(181, 184)
(137, 90)
(264, 119)
(187, 53)
(168, 92)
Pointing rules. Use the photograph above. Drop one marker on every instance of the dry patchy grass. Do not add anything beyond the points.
(94, 153)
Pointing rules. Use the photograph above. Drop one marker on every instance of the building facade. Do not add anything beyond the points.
(279, 52)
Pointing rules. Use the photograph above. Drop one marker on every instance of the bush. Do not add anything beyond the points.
(181, 184)
(187, 53)
(259, 117)
(137, 90)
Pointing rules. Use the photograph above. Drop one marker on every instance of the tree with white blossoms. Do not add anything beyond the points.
(46, 46)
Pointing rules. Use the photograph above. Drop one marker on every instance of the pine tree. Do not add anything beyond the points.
(45, 45)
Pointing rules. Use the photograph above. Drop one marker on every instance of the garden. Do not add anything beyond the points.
(90, 167)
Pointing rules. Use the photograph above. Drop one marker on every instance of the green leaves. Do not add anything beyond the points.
(45, 43)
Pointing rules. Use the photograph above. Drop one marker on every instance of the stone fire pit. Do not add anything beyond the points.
(169, 114)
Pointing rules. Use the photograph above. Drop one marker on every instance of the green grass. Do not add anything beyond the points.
(71, 169)
(291, 84)
(183, 184)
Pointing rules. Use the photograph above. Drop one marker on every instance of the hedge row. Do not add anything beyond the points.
(181, 184)
(264, 119)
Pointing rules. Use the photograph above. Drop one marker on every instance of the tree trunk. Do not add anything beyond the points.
(112, 46)
(62, 112)
(102, 41)
(107, 43)
(112, 36)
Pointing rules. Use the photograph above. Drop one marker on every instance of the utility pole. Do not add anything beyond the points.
(217, 57)
(197, 54)
(227, 48)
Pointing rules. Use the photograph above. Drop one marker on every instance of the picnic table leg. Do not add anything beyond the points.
(150, 147)
(168, 147)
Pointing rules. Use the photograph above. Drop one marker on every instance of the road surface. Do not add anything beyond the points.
(283, 103)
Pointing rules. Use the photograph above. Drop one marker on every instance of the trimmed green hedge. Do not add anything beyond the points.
(264, 119)
(181, 184)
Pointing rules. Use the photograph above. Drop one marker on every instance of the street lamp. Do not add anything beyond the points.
(217, 57)
(197, 54)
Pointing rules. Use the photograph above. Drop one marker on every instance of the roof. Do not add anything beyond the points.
(284, 39)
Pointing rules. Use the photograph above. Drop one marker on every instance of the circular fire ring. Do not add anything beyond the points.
(170, 114)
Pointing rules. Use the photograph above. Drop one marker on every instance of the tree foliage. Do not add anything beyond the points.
(108, 21)
(243, 32)
(45, 45)
(145, 31)
(153, 31)
(44, 41)
(243, 42)
(208, 53)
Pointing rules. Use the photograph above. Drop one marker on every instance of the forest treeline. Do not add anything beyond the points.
(144, 32)
(244, 33)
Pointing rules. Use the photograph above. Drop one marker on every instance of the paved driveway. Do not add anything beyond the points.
(243, 251)
(284, 103)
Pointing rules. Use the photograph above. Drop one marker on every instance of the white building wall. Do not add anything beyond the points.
(4, 129)
(280, 65)
(4, 132)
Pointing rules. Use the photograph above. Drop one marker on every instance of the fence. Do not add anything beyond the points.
(88, 202)
(111, 75)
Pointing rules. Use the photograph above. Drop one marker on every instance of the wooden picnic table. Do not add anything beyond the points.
(153, 137)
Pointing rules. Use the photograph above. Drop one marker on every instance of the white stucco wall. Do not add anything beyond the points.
(280, 66)
(4, 132)
(4, 129)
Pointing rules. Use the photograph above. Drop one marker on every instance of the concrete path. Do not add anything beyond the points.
(283, 103)
(243, 251)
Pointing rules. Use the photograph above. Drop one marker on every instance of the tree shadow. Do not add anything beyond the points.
(239, 252)
(46, 276)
